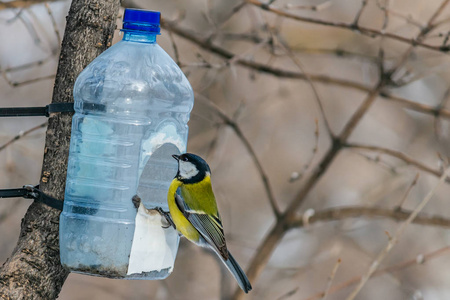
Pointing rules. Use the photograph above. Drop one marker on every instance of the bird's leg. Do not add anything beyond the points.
(136, 201)
(166, 216)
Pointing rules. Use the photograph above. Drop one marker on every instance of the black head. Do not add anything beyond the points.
(191, 168)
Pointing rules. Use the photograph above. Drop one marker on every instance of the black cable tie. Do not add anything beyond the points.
(36, 111)
(32, 192)
(59, 107)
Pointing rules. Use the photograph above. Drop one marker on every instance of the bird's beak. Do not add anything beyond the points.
(177, 157)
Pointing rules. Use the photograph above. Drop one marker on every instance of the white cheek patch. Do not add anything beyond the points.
(187, 169)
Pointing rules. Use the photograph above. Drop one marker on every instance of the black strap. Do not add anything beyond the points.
(32, 192)
(36, 111)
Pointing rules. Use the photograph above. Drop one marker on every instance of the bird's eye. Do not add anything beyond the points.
(185, 158)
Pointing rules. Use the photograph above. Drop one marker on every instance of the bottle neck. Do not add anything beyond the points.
(139, 36)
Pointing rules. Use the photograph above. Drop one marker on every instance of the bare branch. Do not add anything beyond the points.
(331, 278)
(349, 26)
(347, 212)
(281, 73)
(299, 175)
(419, 259)
(21, 3)
(400, 155)
(419, 38)
(408, 190)
(55, 26)
(288, 294)
(298, 63)
(408, 18)
(316, 7)
(393, 241)
(175, 49)
(360, 112)
(437, 120)
(359, 13)
(437, 111)
(228, 16)
(22, 134)
(213, 144)
(25, 82)
(27, 65)
(30, 28)
(237, 130)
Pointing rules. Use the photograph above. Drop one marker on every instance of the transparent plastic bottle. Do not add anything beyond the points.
(132, 105)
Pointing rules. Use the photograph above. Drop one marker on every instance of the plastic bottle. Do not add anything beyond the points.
(132, 105)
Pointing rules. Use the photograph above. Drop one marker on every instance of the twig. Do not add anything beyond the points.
(331, 278)
(399, 155)
(175, 49)
(317, 7)
(207, 14)
(30, 28)
(27, 65)
(237, 130)
(298, 63)
(386, 14)
(437, 111)
(394, 268)
(55, 26)
(22, 134)
(419, 38)
(393, 241)
(233, 11)
(359, 13)
(29, 81)
(377, 160)
(213, 144)
(21, 4)
(408, 190)
(288, 294)
(252, 50)
(347, 212)
(441, 105)
(338, 52)
(360, 112)
(408, 18)
(299, 175)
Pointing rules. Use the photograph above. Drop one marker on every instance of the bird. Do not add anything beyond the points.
(194, 214)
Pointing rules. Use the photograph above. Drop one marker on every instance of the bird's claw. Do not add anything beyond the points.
(137, 202)
(167, 217)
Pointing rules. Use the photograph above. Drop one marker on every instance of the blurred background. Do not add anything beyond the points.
(271, 83)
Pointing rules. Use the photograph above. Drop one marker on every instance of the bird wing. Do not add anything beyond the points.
(209, 226)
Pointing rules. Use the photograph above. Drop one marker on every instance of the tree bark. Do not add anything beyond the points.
(34, 271)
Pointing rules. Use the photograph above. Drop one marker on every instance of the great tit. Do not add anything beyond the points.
(195, 213)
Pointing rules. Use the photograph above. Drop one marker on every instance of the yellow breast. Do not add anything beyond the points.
(183, 225)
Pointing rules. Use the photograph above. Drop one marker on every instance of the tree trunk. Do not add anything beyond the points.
(34, 271)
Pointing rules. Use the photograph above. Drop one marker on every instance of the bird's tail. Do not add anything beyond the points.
(238, 273)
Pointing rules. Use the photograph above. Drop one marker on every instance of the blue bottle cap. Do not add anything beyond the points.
(141, 20)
